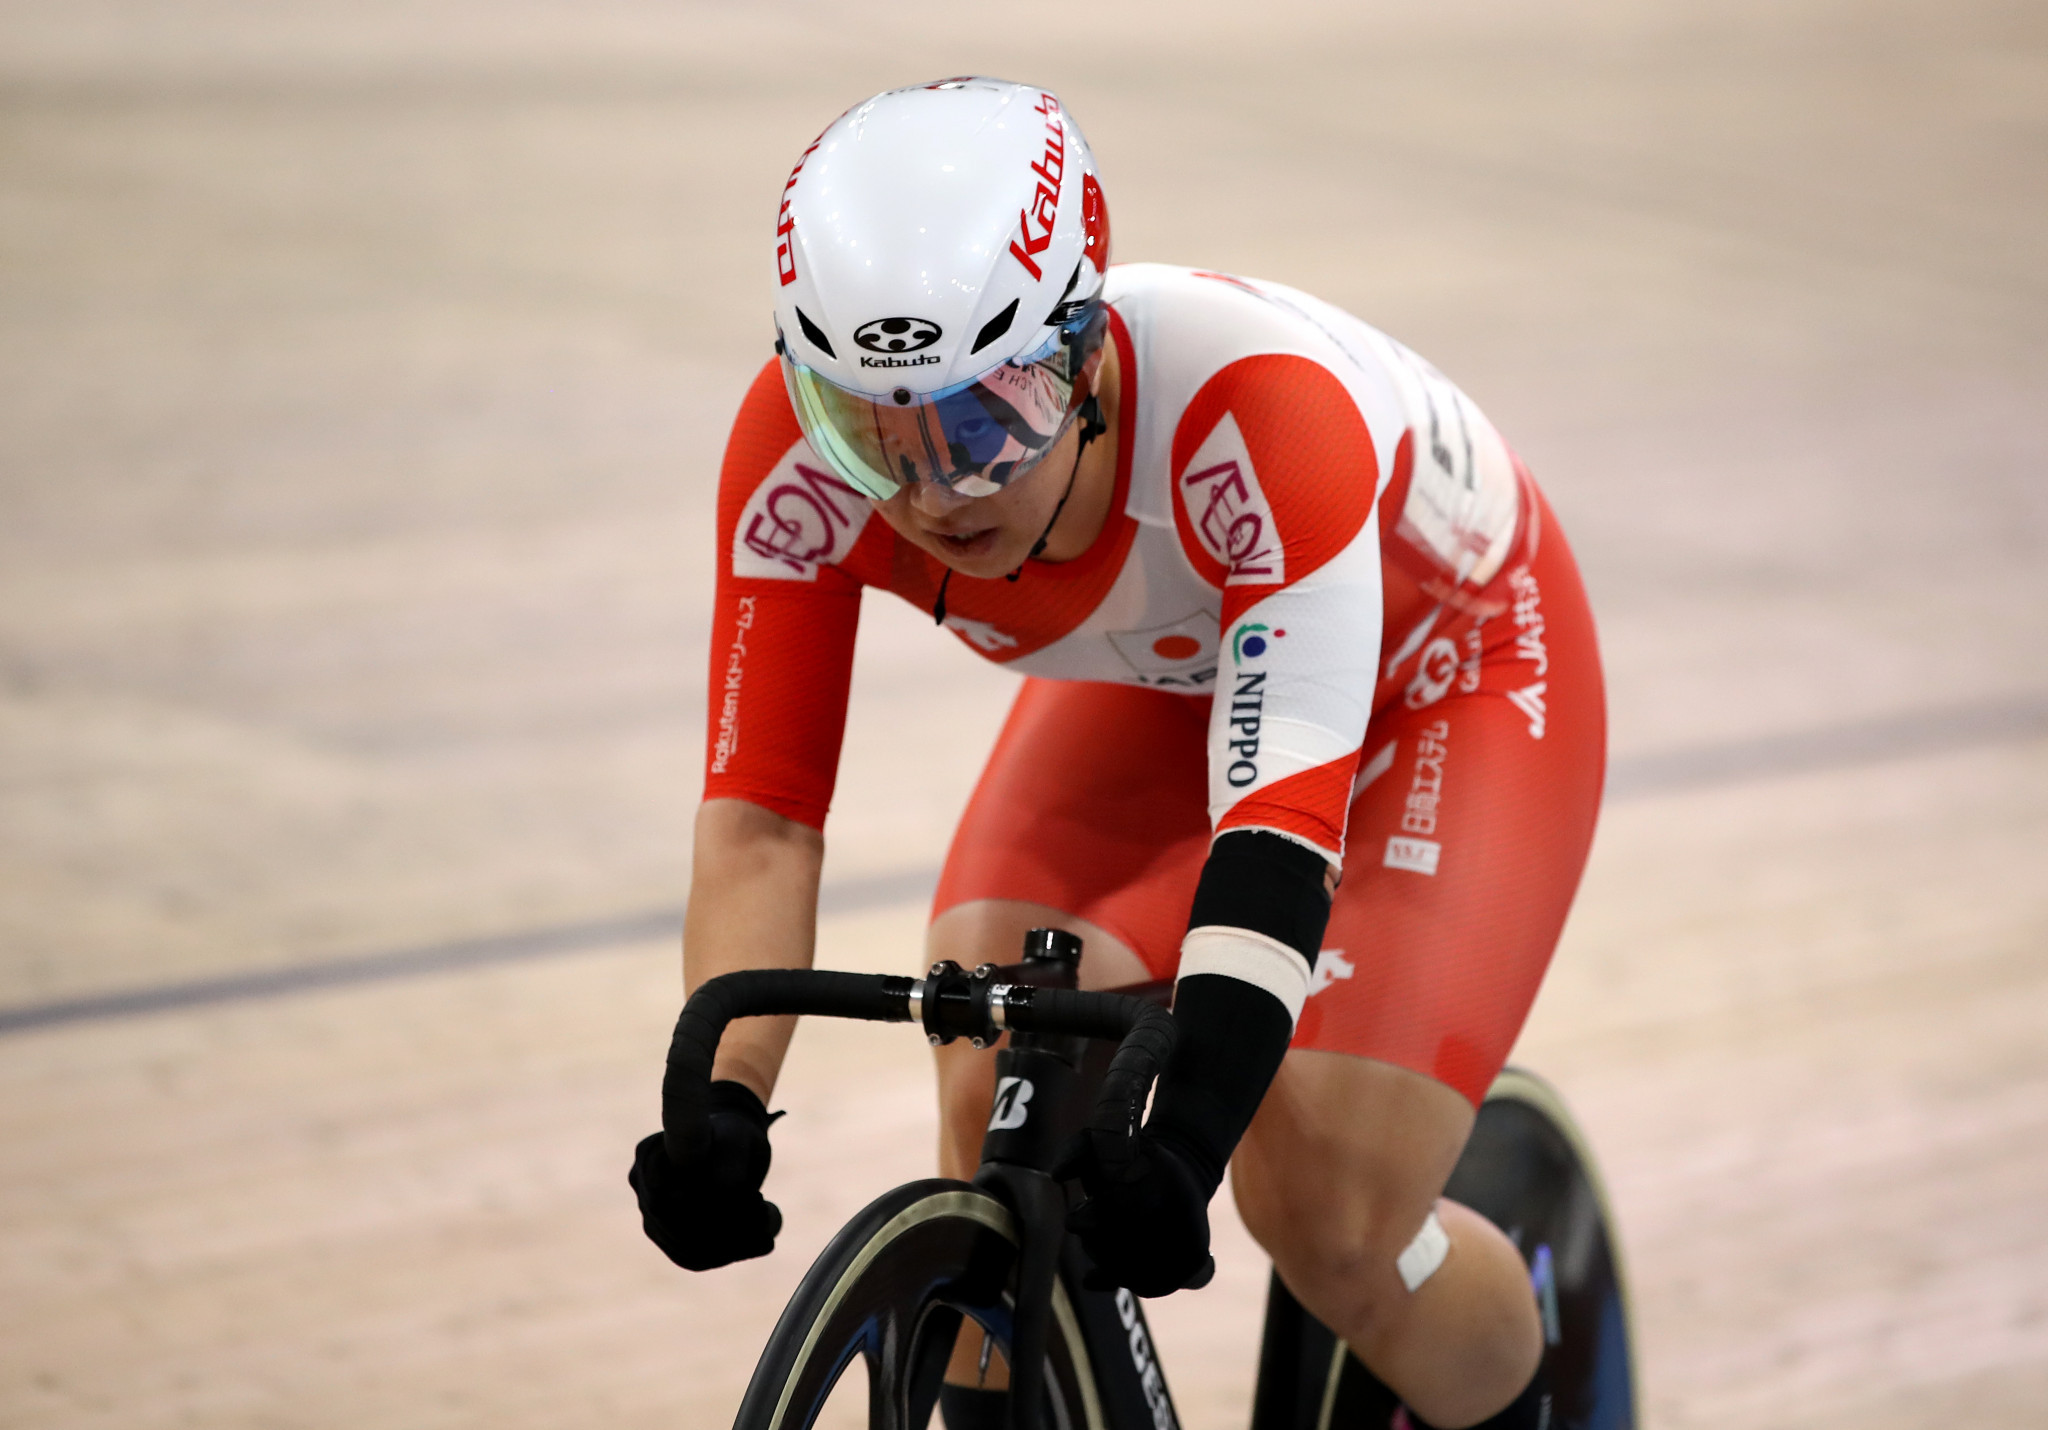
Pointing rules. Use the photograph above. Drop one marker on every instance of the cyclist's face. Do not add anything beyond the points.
(989, 536)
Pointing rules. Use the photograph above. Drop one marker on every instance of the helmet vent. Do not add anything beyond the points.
(816, 334)
(991, 330)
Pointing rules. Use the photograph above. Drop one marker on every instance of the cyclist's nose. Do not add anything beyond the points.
(934, 500)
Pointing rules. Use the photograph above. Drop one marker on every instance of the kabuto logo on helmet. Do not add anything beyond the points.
(1045, 199)
(897, 335)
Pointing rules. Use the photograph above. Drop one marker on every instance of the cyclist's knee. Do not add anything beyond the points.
(1348, 1253)
(1339, 1176)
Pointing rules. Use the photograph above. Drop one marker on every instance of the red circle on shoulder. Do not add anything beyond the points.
(1282, 491)
(1176, 647)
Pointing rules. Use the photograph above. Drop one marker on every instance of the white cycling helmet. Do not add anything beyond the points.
(939, 256)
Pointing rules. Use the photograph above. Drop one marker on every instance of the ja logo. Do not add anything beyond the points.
(1012, 1095)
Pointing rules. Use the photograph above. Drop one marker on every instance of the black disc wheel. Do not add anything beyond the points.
(892, 1288)
(1528, 1170)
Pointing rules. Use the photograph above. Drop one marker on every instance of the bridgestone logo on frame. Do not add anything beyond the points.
(1013, 1104)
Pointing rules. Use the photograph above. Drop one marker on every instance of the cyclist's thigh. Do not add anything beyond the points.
(1094, 802)
(1090, 816)
(1466, 840)
(1343, 1162)
(992, 931)
(1466, 844)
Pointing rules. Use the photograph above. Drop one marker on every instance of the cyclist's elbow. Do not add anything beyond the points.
(729, 828)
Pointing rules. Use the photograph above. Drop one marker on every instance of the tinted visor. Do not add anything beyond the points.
(975, 437)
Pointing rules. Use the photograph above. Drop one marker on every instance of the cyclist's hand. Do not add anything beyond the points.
(709, 1211)
(1145, 1223)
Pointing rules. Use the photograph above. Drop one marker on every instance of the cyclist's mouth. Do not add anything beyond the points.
(969, 543)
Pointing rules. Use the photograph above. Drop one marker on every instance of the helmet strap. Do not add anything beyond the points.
(1092, 426)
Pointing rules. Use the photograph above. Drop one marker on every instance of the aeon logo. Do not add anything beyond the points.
(896, 335)
(1232, 520)
(795, 520)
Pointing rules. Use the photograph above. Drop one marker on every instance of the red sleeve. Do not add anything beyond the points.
(784, 618)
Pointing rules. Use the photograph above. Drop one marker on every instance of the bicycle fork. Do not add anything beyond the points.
(1023, 1138)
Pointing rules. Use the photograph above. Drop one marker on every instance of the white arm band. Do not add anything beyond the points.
(1250, 958)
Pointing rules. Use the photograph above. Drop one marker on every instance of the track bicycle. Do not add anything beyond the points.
(897, 1283)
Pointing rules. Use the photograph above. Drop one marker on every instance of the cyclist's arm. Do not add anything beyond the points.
(753, 904)
(1295, 552)
(781, 658)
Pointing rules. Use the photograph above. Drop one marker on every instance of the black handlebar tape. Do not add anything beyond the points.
(1120, 1106)
(686, 1086)
(1146, 1031)
(1072, 1012)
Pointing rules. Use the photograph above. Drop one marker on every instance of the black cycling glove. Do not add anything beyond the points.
(1146, 1224)
(709, 1211)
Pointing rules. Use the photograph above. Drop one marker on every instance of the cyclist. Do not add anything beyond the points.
(1313, 719)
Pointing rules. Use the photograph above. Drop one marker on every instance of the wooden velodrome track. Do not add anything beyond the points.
(363, 373)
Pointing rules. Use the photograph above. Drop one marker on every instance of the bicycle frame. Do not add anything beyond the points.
(1049, 1022)
(1044, 1086)
(1527, 1168)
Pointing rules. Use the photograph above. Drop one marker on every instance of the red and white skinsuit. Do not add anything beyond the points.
(1328, 602)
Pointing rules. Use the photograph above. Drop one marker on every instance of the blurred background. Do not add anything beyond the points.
(364, 372)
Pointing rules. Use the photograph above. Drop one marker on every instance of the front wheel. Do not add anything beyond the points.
(892, 1288)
